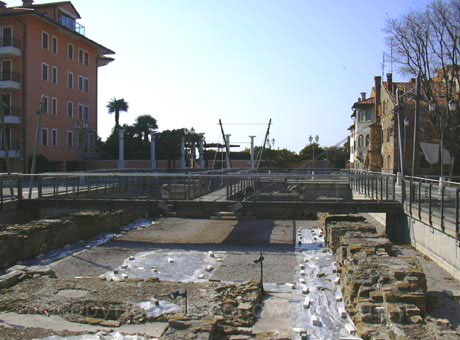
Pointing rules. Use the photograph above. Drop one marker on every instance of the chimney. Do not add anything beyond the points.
(363, 95)
(27, 3)
(2, 4)
(390, 81)
(378, 82)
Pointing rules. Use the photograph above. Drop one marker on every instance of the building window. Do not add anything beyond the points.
(44, 136)
(86, 115)
(360, 141)
(367, 140)
(86, 85)
(80, 111)
(54, 106)
(70, 80)
(80, 56)
(70, 52)
(45, 71)
(70, 109)
(45, 104)
(86, 55)
(83, 84)
(54, 138)
(55, 75)
(55, 45)
(70, 138)
(45, 40)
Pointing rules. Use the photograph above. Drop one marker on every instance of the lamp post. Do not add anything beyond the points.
(451, 106)
(316, 139)
(406, 124)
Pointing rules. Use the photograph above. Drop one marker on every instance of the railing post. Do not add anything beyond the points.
(1, 191)
(442, 207)
(394, 189)
(381, 187)
(410, 197)
(457, 213)
(40, 187)
(430, 204)
(420, 200)
(54, 186)
(66, 186)
(403, 190)
(386, 187)
(78, 185)
(19, 188)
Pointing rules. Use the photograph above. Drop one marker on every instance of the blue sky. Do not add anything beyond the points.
(188, 63)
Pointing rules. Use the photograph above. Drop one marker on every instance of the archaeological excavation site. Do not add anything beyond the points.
(307, 258)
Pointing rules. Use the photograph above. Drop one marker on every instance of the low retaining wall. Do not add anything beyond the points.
(21, 242)
(384, 292)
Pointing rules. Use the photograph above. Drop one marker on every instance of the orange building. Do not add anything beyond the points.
(46, 58)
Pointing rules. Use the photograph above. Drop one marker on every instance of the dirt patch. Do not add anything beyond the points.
(183, 231)
(30, 333)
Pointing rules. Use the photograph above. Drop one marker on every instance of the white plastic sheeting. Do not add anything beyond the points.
(99, 336)
(69, 250)
(154, 310)
(318, 306)
(176, 266)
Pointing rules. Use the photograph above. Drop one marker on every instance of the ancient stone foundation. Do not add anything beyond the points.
(384, 292)
(21, 242)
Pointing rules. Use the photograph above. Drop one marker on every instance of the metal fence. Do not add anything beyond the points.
(432, 201)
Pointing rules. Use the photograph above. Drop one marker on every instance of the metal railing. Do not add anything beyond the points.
(432, 201)
(72, 24)
(10, 76)
(10, 42)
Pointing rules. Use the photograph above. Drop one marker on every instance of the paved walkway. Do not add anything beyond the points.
(218, 195)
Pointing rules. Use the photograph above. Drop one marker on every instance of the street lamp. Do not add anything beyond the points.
(452, 106)
(311, 140)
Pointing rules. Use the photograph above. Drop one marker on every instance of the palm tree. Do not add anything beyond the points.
(116, 106)
(144, 125)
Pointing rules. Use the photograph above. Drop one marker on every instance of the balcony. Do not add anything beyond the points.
(10, 47)
(72, 24)
(11, 154)
(12, 116)
(10, 81)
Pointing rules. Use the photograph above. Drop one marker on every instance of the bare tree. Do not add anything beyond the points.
(427, 43)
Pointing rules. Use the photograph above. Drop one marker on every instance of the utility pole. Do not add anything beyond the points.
(416, 122)
(400, 133)
(37, 140)
(5, 144)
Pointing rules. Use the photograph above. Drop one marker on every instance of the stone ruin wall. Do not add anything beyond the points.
(385, 293)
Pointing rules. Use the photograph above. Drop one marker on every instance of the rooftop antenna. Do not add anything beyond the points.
(383, 65)
(391, 56)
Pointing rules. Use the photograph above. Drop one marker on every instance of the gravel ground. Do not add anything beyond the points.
(30, 333)
(178, 230)
(241, 240)
(440, 302)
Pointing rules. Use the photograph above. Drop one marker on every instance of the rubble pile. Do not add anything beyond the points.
(384, 293)
(212, 307)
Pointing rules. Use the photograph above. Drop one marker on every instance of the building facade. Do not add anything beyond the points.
(48, 68)
(363, 116)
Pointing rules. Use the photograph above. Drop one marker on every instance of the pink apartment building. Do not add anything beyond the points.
(46, 58)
